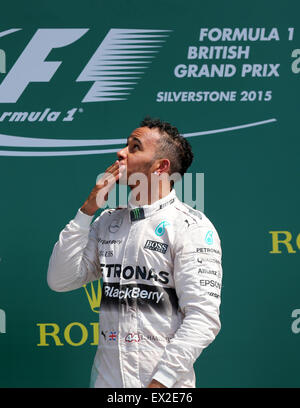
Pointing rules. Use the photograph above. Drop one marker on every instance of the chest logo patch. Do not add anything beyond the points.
(161, 228)
(209, 238)
(115, 225)
(156, 246)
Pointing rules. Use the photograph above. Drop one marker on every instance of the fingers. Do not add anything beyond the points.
(105, 184)
(109, 179)
(105, 188)
(112, 170)
(111, 176)
(113, 167)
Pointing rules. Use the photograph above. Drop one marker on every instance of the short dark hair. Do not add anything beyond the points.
(172, 145)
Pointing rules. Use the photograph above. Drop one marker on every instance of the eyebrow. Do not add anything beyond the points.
(136, 139)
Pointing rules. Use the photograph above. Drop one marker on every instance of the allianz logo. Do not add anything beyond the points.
(2, 322)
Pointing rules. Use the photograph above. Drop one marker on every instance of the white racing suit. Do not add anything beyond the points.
(161, 271)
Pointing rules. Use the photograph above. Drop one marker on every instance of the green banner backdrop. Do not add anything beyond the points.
(75, 79)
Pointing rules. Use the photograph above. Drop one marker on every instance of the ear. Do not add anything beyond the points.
(164, 166)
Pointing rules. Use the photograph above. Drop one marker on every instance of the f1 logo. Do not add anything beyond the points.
(2, 321)
(31, 65)
(114, 67)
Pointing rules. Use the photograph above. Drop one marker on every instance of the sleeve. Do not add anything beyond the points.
(198, 280)
(74, 260)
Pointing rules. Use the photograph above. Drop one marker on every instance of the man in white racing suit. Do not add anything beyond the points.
(160, 261)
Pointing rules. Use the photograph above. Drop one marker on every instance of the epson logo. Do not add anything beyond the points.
(156, 246)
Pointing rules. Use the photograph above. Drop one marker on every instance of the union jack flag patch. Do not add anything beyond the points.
(112, 336)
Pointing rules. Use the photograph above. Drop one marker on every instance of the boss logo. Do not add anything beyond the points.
(156, 246)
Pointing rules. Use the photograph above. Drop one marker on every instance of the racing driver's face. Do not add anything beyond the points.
(138, 155)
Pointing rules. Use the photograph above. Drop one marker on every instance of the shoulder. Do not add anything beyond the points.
(190, 216)
(109, 212)
(107, 215)
(193, 226)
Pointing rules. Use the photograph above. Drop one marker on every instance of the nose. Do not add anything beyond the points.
(122, 154)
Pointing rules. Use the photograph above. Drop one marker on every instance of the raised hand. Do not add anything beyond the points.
(99, 194)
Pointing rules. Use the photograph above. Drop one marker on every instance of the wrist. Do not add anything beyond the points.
(156, 384)
(87, 211)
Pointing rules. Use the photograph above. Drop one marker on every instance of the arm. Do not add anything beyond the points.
(74, 260)
(197, 275)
